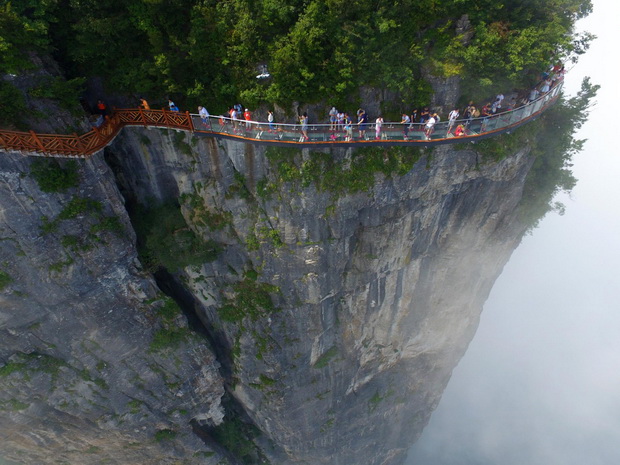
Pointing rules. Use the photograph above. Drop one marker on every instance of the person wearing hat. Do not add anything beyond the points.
(248, 117)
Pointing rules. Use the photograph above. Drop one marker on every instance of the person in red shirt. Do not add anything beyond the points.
(101, 108)
(248, 117)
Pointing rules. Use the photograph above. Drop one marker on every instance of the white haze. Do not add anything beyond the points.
(540, 383)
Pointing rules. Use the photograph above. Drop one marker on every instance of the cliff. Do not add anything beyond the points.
(346, 287)
(81, 377)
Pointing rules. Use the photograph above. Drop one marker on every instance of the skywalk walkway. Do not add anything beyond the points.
(319, 135)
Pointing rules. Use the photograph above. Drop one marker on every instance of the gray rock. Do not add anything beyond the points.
(378, 292)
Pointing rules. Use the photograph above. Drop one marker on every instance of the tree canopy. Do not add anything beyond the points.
(211, 50)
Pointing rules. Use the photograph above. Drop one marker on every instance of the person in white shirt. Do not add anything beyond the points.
(204, 115)
(378, 124)
(430, 124)
(499, 99)
(452, 117)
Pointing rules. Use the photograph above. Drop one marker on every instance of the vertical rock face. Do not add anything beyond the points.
(82, 377)
(337, 311)
(338, 316)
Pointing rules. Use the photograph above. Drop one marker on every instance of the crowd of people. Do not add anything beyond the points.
(341, 124)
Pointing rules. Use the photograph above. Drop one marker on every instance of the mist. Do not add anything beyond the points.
(540, 381)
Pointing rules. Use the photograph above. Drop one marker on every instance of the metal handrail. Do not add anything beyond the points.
(391, 133)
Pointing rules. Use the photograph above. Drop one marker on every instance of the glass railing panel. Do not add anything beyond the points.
(391, 131)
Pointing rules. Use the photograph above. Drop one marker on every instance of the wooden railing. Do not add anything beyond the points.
(70, 146)
(74, 146)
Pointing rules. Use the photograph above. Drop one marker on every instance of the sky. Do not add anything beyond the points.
(540, 382)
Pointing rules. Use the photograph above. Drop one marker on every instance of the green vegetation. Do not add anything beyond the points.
(165, 435)
(251, 299)
(261, 343)
(553, 144)
(71, 241)
(374, 401)
(101, 383)
(324, 359)
(327, 425)
(10, 368)
(135, 406)
(264, 383)
(238, 438)
(252, 243)
(554, 148)
(165, 240)
(15, 106)
(239, 188)
(80, 206)
(107, 223)
(168, 310)
(52, 177)
(342, 177)
(265, 189)
(64, 91)
(33, 362)
(5, 279)
(251, 274)
(13, 405)
(59, 266)
(266, 380)
(168, 338)
(203, 216)
(48, 226)
(199, 51)
(179, 142)
(77, 206)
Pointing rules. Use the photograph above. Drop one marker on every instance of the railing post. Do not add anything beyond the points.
(166, 122)
(80, 144)
(142, 117)
(190, 122)
(37, 141)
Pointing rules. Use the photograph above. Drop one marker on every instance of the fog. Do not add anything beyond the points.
(540, 382)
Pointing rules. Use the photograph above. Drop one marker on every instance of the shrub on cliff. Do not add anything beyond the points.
(5, 280)
(51, 177)
(165, 240)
